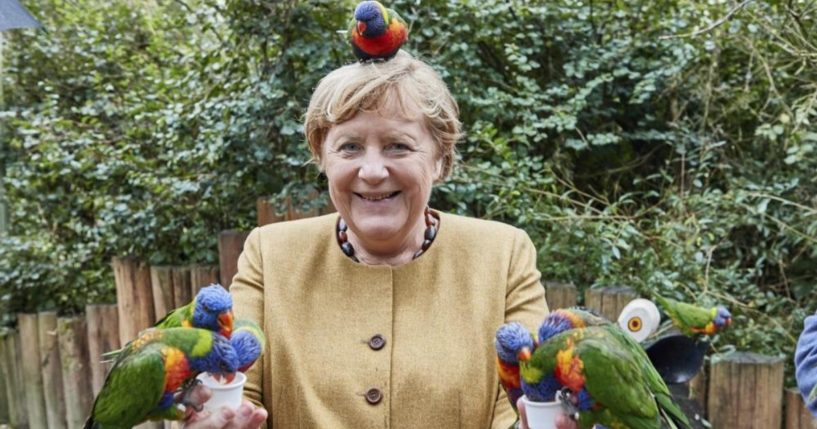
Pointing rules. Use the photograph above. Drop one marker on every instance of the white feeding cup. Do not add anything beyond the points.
(542, 415)
(224, 395)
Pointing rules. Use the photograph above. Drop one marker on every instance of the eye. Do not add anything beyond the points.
(350, 147)
(398, 147)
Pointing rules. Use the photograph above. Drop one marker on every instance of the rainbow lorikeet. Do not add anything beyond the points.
(605, 374)
(248, 342)
(691, 319)
(144, 383)
(211, 309)
(513, 343)
(376, 32)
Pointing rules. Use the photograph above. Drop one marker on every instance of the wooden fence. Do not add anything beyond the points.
(50, 366)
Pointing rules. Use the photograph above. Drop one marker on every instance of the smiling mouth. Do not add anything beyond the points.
(378, 197)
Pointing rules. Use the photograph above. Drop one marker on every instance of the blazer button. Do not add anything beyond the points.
(377, 342)
(374, 396)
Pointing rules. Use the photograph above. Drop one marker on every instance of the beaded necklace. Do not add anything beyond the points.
(432, 225)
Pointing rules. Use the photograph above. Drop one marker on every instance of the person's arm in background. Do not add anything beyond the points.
(805, 362)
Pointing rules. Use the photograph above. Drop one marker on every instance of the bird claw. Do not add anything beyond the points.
(568, 400)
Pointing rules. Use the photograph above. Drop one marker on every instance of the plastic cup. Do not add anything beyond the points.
(224, 395)
(542, 415)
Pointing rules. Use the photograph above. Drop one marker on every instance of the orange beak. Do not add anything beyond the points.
(225, 321)
(524, 354)
(361, 27)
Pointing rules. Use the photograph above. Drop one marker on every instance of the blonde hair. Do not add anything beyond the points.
(358, 87)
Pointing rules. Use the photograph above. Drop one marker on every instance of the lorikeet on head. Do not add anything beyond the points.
(607, 375)
(513, 343)
(248, 342)
(144, 383)
(376, 32)
(691, 319)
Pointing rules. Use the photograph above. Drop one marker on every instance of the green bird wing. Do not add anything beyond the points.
(614, 378)
(685, 316)
(133, 387)
(395, 15)
(176, 318)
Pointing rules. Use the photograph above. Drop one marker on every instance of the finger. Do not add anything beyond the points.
(199, 395)
(565, 422)
(523, 414)
(249, 416)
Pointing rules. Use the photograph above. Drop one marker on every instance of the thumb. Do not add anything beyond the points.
(523, 414)
(224, 416)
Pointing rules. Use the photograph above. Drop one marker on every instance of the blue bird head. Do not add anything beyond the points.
(543, 391)
(370, 18)
(723, 317)
(513, 343)
(220, 361)
(247, 347)
(557, 322)
(213, 310)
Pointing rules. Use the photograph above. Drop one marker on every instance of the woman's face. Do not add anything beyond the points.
(380, 167)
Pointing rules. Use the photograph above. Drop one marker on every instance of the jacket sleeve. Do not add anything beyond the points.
(524, 303)
(805, 362)
(247, 289)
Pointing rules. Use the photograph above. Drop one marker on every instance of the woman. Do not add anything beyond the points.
(383, 314)
(805, 363)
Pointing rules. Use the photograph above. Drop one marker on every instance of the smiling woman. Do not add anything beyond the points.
(364, 310)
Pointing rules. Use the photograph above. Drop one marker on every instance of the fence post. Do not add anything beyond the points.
(201, 276)
(76, 371)
(797, 415)
(161, 280)
(5, 382)
(230, 245)
(10, 365)
(181, 286)
(745, 391)
(560, 295)
(103, 336)
(609, 301)
(134, 297)
(32, 377)
(51, 369)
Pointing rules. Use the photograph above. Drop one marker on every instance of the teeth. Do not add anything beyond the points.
(377, 197)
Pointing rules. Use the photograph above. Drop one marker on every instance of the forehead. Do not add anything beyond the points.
(393, 114)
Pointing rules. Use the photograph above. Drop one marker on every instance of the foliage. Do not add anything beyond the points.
(662, 145)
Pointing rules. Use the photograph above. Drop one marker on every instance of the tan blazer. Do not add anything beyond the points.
(358, 346)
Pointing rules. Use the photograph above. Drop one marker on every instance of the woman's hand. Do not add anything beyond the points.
(248, 416)
(562, 422)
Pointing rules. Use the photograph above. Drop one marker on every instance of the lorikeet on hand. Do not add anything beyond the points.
(211, 309)
(248, 342)
(513, 343)
(603, 370)
(145, 381)
(376, 32)
(691, 319)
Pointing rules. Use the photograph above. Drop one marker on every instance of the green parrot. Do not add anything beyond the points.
(691, 319)
(144, 383)
(605, 375)
(211, 309)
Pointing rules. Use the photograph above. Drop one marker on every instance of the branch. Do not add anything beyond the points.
(711, 26)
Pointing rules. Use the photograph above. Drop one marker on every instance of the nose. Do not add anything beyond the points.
(373, 170)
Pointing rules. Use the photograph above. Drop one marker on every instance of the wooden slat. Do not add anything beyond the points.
(265, 212)
(181, 285)
(230, 245)
(201, 276)
(592, 299)
(161, 280)
(12, 379)
(134, 297)
(76, 369)
(745, 391)
(103, 336)
(560, 295)
(51, 369)
(797, 415)
(32, 376)
(6, 381)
